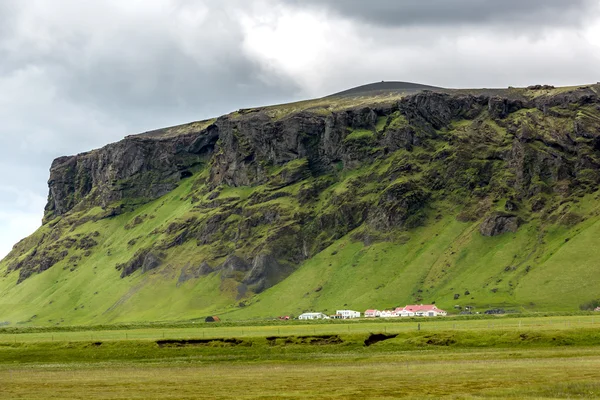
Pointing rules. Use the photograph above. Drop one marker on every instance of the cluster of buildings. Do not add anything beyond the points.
(339, 314)
(422, 310)
(415, 310)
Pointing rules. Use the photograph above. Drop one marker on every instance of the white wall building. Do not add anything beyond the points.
(427, 310)
(402, 312)
(372, 313)
(313, 315)
(348, 314)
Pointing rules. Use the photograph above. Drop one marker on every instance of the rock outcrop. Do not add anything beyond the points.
(499, 223)
(140, 167)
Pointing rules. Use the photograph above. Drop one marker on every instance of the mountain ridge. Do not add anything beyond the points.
(230, 214)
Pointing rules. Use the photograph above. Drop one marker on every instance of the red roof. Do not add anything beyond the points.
(424, 308)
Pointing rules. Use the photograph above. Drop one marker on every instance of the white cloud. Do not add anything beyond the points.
(592, 33)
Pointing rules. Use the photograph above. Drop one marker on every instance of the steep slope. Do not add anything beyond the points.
(481, 198)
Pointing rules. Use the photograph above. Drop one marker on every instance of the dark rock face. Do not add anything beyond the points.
(499, 223)
(145, 167)
(204, 269)
(41, 258)
(190, 272)
(266, 271)
(151, 261)
(233, 267)
(144, 259)
(397, 203)
(137, 167)
(36, 262)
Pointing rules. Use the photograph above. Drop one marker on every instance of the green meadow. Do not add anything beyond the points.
(555, 357)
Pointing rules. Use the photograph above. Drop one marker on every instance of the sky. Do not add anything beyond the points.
(76, 75)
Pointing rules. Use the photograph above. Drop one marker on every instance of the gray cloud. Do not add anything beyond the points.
(532, 14)
(149, 67)
(77, 75)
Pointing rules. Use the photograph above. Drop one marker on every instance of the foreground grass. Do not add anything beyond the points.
(543, 358)
(499, 374)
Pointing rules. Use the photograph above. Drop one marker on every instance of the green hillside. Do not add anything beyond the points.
(462, 199)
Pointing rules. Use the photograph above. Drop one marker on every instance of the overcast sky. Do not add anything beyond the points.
(75, 75)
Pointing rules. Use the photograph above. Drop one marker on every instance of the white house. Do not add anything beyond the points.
(372, 313)
(427, 310)
(403, 312)
(348, 314)
(313, 315)
(387, 314)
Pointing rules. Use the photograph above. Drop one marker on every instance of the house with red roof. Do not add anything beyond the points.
(597, 309)
(372, 313)
(422, 310)
(413, 310)
(403, 312)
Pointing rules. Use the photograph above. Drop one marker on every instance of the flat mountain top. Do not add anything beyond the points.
(384, 86)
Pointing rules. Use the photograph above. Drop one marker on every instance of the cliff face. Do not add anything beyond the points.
(147, 166)
(142, 167)
(270, 190)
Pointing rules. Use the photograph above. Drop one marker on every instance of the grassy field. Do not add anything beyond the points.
(557, 373)
(396, 325)
(495, 358)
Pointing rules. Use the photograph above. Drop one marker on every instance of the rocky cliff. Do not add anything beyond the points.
(270, 189)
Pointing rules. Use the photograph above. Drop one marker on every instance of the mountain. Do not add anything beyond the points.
(484, 198)
(385, 87)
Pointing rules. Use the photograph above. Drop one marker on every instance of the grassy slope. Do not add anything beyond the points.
(94, 292)
(442, 258)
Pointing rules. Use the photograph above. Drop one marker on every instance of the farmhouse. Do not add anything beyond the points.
(597, 309)
(347, 314)
(403, 312)
(372, 313)
(427, 310)
(313, 315)
(387, 314)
